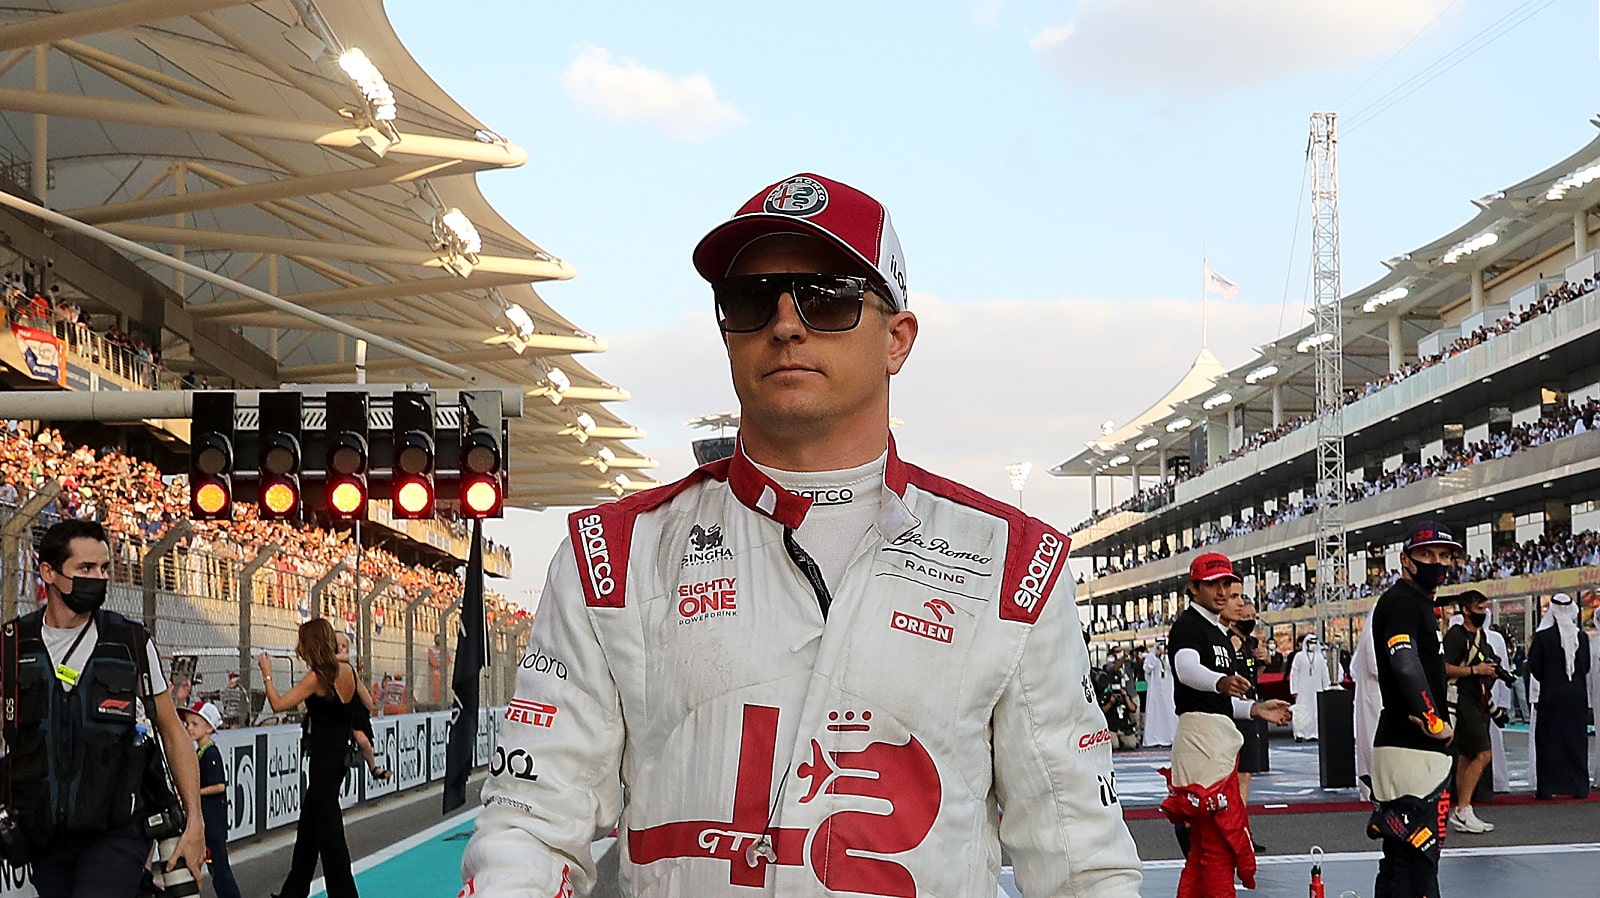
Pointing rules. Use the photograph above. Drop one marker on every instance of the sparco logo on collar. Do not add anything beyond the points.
(799, 196)
(1028, 586)
(829, 496)
(597, 554)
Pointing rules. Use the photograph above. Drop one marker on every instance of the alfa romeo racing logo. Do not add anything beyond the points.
(798, 196)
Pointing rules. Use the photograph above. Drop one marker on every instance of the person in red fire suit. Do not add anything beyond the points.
(1204, 801)
(811, 668)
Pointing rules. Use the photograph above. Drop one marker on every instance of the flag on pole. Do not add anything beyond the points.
(471, 658)
(1221, 286)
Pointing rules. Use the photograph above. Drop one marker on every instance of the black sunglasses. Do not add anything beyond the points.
(830, 303)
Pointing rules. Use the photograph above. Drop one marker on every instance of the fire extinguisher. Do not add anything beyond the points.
(1316, 872)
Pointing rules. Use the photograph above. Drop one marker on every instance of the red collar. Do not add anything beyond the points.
(761, 494)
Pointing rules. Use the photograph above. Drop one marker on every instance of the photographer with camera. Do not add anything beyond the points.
(82, 781)
(1471, 667)
(1112, 693)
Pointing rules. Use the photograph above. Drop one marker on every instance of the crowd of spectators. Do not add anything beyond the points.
(138, 504)
(1567, 292)
(1561, 421)
(1550, 552)
(120, 352)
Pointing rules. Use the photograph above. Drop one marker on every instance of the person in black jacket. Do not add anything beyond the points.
(84, 695)
(1411, 754)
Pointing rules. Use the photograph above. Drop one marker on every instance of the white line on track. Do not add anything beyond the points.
(1477, 851)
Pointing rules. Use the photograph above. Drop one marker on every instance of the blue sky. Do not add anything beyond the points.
(1054, 170)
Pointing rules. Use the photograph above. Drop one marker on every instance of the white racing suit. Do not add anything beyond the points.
(682, 674)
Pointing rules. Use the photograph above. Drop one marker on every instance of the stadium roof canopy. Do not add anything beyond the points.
(1524, 232)
(239, 137)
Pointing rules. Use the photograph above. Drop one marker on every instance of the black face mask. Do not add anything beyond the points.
(1246, 626)
(87, 595)
(1429, 575)
(1478, 618)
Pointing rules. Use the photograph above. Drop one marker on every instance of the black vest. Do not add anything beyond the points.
(73, 766)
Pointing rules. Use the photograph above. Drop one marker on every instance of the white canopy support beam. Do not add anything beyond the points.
(52, 27)
(425, 360)
(587, 394)
(399, 289)
(194, 238)
(502, 154)
(335, 369)
(262, 192)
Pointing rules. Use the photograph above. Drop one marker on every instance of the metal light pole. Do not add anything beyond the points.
(1018, 473)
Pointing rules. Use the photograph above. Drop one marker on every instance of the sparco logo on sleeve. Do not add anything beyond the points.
(592, 531)
(1041, 570)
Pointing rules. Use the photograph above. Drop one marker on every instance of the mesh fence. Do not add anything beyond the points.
(212, 612)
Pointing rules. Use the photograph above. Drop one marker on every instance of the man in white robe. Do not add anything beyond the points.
(1369, 702)
(1500, 694)
(1308, 676)
(1160, 710)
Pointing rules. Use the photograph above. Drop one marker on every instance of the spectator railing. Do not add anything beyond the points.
(202, 608)
(1549, 461)
(1565, 323)
(94, 349)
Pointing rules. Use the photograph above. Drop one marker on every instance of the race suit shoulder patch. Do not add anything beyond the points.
(1036, 554)
(601, 536)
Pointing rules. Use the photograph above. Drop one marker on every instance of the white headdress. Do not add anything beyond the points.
(1563, 615)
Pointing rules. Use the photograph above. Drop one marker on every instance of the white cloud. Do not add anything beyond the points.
(988, 383)
(1050, 38)
(1190, 46)
(686, 107)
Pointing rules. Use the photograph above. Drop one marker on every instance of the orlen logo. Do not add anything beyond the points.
(1045, 559)
(598, 554)
(1088, 741)
(708, 598)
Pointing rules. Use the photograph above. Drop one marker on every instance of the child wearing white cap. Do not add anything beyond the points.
(202, 719)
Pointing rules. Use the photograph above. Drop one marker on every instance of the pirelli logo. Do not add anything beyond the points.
(1398, 640)
(1421, 837)
(530, 713)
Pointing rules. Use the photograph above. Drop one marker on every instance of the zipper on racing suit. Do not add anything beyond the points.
(808, 566)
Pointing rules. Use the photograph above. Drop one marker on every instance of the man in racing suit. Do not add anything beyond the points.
(1204, 801)
(1411, 755)
(811, 668)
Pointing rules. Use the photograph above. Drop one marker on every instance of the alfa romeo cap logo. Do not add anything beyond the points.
(802, 197)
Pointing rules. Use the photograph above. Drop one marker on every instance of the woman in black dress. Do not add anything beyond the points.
(328, 690)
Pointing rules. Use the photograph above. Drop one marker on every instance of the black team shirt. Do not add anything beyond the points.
(1192, 631)
(1405, 612)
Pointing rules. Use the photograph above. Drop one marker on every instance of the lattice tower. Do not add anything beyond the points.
(1332, 580)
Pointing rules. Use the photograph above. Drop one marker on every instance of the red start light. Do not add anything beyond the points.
(413, 497)
(482, 496)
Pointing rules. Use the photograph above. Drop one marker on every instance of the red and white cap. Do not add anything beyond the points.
(1211, 566)
(206, 711)
(811, 204)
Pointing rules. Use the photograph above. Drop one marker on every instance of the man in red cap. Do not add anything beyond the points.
(810, 668)
(1204, 802)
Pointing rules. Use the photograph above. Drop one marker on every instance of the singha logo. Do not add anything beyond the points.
(705, 546)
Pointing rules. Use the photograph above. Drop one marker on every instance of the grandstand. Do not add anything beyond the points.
(1472, 388)
(296, 148)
